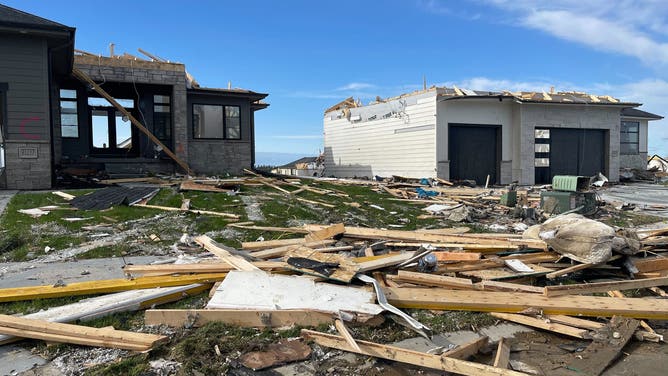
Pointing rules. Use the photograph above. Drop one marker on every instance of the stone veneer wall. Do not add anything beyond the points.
(30, 166)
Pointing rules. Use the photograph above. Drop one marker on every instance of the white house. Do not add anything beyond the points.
(454, 134)
(307, 166)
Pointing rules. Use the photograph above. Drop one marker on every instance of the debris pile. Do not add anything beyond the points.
(550, 277)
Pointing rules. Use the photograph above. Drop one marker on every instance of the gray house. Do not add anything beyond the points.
(455, 134)
(55, 124)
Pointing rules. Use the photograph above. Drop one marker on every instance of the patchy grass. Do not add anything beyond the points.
(132, 366)
(629, 219)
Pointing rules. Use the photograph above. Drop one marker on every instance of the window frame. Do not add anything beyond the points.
(224, 124)
(636, 143)
(74, 100)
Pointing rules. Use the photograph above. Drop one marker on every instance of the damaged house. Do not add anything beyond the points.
(456, 134)
(54, 114)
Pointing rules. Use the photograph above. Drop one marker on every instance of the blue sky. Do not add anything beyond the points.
(309, 55)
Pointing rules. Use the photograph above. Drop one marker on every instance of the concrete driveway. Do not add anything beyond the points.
(651, 198)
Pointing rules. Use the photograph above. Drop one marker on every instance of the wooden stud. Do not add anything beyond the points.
(542, 324)
(467, 350)
(236, 261)
(565, 271)
(343, 331)
(502, 354)
(431, 279)
(409, 356)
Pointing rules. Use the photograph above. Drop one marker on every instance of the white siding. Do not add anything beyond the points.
(404, 144)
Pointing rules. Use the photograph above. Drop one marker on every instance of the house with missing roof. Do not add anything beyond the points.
(307, 166)
(457, 134)
(54, 115)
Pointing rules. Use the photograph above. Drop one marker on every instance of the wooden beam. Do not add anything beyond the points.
(588, 288)
(168, 269)
(77, 334)
(343, 331)
(502, 356)
(280, 251)
(431, 280)
(243, 318)
(467, 350)
(542, 324)
(569, 270)
(83, 77)
(238, 262)
(195, 211)
(576, 322)
(409, 356)
(652, 264)
(103, 286)
(514, 302)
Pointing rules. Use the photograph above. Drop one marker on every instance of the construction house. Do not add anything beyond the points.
(457, 134)
(65, 110)
(307, 166)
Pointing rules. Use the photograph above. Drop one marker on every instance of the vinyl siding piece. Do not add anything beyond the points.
(402, 144)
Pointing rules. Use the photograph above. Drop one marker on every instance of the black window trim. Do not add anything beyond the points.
(637, 132)
(224, 122)
(60, 112)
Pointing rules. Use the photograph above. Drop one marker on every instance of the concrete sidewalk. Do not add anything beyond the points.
(5, 196)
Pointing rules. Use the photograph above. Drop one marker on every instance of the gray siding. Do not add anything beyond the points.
(24, 67)
(217, 156)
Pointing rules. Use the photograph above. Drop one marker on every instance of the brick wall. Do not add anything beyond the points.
(218, 157)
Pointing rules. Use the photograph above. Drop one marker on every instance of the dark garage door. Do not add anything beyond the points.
(474, 152)
(571, 152)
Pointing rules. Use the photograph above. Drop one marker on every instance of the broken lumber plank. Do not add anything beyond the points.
(238, 262)
(542, 324)
(468, 349)
(275, 187)
(576, 322)
(104, 286)
(515, 302)
(325, 233)
(499, 262)
(77, 334)
(506, 286)
(266, 244)
(431, 279)
(603, 350)
(463, 246)
(569, 270)
(588, 288)
(653, 264)
(195, 211)
(280, 251)
(83, 77)
(189, 185)
(502, 354)
(314, 202)
(457, 256)
(65, 196)
(168, 269)
(100, 306)
(239, 317)
(408, 356)
(343, 331)
(384, 262)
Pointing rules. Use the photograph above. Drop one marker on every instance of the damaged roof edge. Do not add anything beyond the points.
(235, 92)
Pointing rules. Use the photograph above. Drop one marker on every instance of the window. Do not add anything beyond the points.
(216, 121)
(111, 130)
(629, 137)
(69, 116)
(162, 125)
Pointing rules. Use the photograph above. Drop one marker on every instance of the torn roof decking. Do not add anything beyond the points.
(455, 93)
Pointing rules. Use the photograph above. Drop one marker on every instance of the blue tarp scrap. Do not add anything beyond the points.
(424, 193)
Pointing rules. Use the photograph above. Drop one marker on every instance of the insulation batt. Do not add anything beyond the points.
(581, 239)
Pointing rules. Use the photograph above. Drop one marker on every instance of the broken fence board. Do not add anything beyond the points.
(514, 302)
(588, 288)
(542, 324)
(104, 286)
(409, 356)
(238, 262)
(238, 317)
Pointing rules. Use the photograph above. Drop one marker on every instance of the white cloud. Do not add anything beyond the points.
(629, 27)
(354, 86)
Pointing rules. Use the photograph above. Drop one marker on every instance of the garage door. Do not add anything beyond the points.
(566, 151)
(474, 152)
